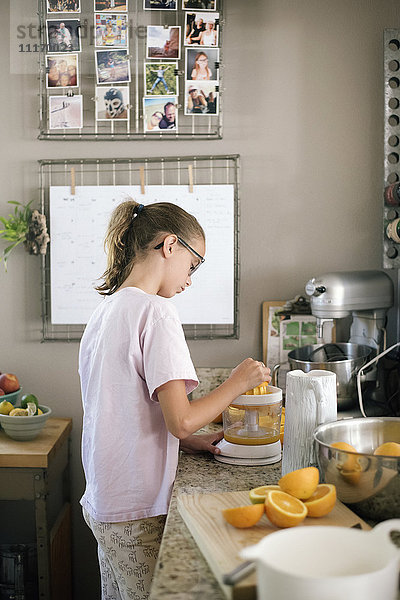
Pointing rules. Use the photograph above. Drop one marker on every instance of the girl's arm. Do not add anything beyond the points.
(184, 418)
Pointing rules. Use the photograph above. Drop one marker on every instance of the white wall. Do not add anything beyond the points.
(303, 105)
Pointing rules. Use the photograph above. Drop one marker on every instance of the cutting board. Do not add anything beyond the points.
(220, 543)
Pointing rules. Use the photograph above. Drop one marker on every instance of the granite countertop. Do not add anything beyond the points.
(181, 571)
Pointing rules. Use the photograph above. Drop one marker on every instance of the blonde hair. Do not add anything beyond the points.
(134, 230)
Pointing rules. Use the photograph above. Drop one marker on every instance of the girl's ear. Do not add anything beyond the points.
(170, 243)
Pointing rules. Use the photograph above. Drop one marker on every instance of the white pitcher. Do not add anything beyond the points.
(311, 400)
(327, 563)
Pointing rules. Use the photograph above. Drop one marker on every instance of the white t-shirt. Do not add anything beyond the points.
(132, 344)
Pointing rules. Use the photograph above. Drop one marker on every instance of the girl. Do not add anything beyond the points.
(201, 70)
(209, 36)
(136, 372)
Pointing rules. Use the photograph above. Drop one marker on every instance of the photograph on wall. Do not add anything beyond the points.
(111, 5)
(62, 70)
(112, 103)
(111, 30)
(201, 29)
(65, 112)
(202, 65)
(63, 35)
(160, 114)
(112, 66)
(161, 79)
(199, 4)
(163, 42)
(201, 98)
(159, 4)
(63, 6)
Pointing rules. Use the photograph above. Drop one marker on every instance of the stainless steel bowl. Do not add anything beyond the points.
(344, 359)
(368, 484)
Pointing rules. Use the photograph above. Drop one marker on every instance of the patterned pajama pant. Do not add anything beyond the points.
(127, 556)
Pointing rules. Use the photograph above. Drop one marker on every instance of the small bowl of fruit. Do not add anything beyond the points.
(25, 422)
(10, 388)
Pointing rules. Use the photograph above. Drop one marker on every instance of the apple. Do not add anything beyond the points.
(2, 392)
(9, 383)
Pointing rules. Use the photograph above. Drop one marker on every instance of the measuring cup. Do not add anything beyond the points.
(315, 562)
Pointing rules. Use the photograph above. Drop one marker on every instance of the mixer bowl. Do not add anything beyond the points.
(344, 359)
(368, 484)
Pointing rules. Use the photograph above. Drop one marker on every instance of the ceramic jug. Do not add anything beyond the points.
(315, 562)
(310, 401)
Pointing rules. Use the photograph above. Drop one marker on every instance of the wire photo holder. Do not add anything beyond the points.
(130, 69)
(77, 197)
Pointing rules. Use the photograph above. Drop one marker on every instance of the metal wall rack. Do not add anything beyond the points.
(189, 126)
(391, 142)
(205, 170)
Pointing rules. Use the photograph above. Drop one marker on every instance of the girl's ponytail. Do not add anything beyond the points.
(120, 245)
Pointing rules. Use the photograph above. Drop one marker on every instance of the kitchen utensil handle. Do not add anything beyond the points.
(239, 573)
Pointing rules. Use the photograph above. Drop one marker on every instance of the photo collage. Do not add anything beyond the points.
(195, 41)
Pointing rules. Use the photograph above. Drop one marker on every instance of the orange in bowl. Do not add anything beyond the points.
(351, 461)
(388, 449)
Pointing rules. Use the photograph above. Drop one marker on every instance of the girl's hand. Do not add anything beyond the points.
(249, 374)
(202, 442)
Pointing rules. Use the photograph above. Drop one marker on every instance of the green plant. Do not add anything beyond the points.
(16, 227)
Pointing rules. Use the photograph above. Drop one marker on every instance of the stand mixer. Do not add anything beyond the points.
(251, 426)
(364, 295)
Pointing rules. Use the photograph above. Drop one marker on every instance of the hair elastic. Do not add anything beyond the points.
(137, 210)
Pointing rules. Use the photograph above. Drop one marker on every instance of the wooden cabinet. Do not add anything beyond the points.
(34, 503)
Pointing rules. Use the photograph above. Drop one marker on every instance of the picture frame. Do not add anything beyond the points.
(199, 4)
(62, 70)
(112, 103)
(110, 6)
(202, 29)
(112, 66)
(165, 5)
(65, 112)
(156, 114)
(63, 35)
(201, 98)
(202, 64)
(63, 6)
(160, 79)
(163, 43)
(111, 30)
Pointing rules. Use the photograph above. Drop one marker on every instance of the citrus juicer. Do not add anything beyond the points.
(251, 426)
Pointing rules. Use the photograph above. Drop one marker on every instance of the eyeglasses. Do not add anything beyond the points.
(192, 250)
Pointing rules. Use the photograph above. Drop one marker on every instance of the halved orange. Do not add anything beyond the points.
(322, 501)
(300, 483)
(244, 516)
(388, 449)
(259, 390)
(284, 510)
(257, 495)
